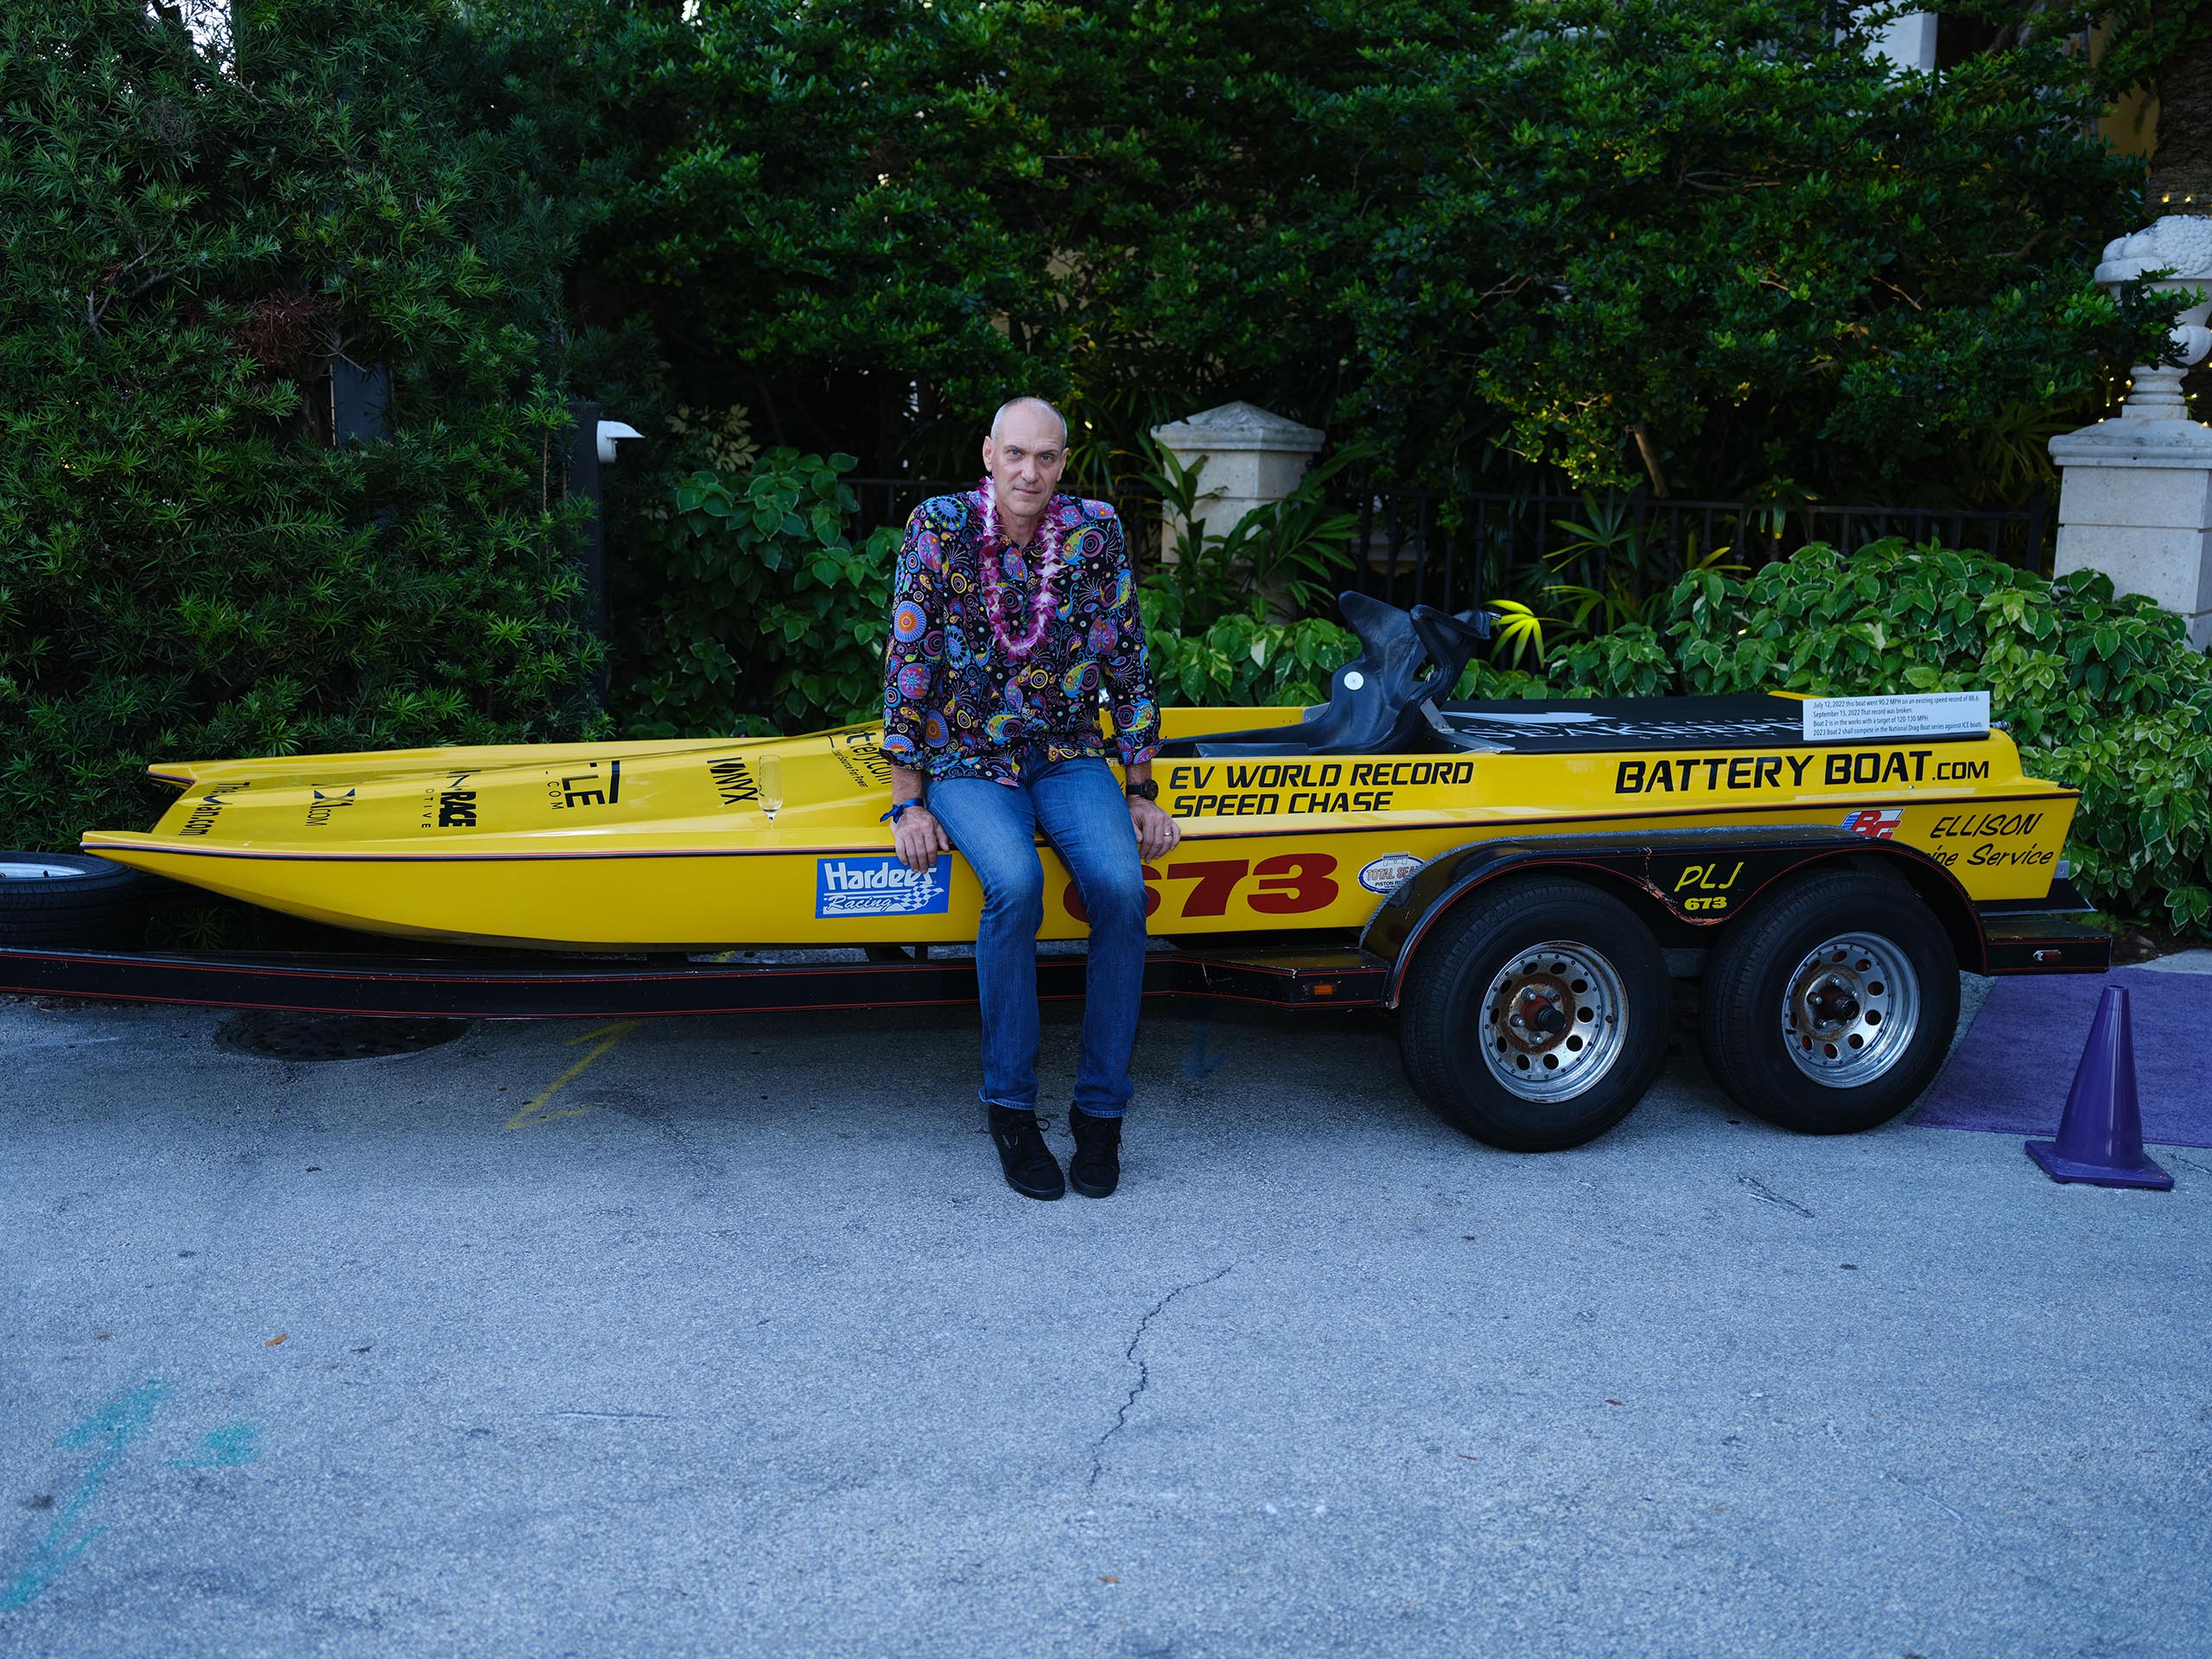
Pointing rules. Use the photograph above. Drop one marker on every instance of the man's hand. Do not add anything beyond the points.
(1157, 833)
(919, 838)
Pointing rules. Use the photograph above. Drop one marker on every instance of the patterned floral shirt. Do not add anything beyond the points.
(955, 706)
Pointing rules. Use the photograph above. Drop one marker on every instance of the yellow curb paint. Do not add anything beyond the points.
(533, 1111)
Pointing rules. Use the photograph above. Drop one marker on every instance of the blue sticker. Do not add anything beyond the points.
(880, 886)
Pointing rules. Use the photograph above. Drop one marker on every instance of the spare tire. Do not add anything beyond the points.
(69, 899)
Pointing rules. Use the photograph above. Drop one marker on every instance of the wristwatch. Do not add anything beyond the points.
(1147, 790)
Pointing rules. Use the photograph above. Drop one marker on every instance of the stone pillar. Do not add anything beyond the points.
(2136, 497)
(1908, 41)
(1251, 458)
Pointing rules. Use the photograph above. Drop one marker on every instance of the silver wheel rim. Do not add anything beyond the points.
(31, 870)
(1849, 1009)
(1553, 1021)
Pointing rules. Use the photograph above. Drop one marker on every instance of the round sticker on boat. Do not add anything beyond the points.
(1388, 872)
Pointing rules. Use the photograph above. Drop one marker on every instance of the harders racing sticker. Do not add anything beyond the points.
(880, 886)
(1876, 822)
(1388, 873)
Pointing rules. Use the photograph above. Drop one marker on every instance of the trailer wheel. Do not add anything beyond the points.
(68, 898)
(1831, 1006)
(1534, 1016)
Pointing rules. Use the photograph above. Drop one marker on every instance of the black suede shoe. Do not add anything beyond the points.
(1096, 1169)
(1030, 1169)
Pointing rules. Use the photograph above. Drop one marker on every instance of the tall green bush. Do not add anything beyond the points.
(2102, 693)
(750, 610)
(1723, 228)
(188, 567)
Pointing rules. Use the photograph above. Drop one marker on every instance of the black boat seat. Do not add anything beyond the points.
(1380, 703)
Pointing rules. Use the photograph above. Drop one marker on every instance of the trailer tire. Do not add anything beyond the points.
(71, 899)
(1492, 971)
(1831, 1005)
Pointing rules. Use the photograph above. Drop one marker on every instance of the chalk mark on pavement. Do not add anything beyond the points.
(534, 1110)
(1197, 1064)
(119, 1422)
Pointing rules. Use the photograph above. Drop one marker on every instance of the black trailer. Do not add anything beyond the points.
(1529, 976)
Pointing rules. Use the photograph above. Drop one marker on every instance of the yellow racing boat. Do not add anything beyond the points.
(1518, 880)
(1294, 820)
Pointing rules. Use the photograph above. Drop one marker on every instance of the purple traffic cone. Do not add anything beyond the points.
(2100, 1137)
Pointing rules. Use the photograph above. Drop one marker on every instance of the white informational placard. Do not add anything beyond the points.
(1926, 714)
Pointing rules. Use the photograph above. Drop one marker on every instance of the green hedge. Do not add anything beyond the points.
(187, 566)
(1492, 234)
(2103, 694)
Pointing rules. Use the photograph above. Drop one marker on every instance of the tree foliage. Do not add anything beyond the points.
(1494, 236)
(1729, 225)
(187, 566)
(1495, 239)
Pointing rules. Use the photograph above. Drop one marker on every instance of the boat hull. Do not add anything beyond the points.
(671, 846)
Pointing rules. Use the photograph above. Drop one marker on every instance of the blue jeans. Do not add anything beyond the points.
(1082, 813)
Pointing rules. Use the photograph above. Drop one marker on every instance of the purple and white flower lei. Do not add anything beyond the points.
(995, 541)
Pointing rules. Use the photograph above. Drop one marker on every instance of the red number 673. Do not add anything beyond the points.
(1288, 884)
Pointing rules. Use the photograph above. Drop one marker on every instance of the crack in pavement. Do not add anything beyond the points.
(1766, 1194)
(619, 1416)
(1144, 1371)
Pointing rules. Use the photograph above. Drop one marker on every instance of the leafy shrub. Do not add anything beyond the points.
(748, 610)
(2103, 694)
(187, 566)
(1221, 611)
(1243, 660)
(1783, 257)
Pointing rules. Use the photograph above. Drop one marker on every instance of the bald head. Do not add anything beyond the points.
(1027, 453)
(1035, 407)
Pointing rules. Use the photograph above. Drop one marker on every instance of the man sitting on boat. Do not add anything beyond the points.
(1012, 607)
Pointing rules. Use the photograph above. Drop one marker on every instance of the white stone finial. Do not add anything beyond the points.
(1244, 427)
(2136, 500)
(2181, 244)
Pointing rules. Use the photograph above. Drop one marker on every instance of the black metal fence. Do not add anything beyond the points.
(888, 500)
(1458, 549)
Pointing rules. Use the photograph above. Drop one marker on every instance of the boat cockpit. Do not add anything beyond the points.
(1396, 698)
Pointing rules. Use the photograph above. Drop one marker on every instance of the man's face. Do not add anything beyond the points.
(1025, 461)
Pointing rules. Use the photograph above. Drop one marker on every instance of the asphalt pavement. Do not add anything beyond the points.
(722, 1336)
